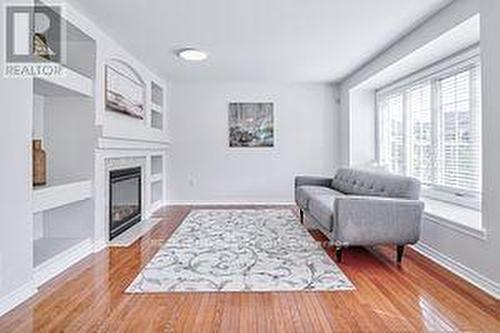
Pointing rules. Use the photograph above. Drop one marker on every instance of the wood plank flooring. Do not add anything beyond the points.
(416, 296)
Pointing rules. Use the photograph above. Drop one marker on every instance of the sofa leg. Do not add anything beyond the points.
(338, 253)
(400, 251)
(301, 216)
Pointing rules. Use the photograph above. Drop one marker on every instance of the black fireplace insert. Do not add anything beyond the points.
(125, 187)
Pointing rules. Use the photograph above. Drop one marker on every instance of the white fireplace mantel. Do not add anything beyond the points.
(121, 154)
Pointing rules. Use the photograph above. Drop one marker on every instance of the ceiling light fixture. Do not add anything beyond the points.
(192, 55)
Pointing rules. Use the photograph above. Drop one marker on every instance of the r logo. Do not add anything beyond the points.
(33, 34)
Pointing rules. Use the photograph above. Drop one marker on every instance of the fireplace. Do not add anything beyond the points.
(125, 187)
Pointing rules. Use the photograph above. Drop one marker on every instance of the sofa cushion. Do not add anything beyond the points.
(305, 193)
(362, 182)
(322, 209)
(319, 202)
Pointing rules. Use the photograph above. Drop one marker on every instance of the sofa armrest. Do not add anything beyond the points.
(367, 220)
(314, 181)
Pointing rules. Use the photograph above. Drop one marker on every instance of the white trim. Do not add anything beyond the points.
(468, 274)
(137, 231)
(99, 245)
(480, 234)
(124, 144)
(18, 296)
(69, 82)
(228, 203)
(49, 197)
(449, 195)
(440, 67)
(153, 207)
(455, 217)
(55, 266)
(156, 107)
(157, 177)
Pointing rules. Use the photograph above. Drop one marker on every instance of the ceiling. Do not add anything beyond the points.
(258, 40)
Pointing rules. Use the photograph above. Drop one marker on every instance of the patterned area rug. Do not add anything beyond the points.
(249, 250)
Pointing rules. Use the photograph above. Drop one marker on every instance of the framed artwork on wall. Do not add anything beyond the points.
(124, 93)
(251, 125)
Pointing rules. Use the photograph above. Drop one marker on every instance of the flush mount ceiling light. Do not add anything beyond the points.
(192, 55)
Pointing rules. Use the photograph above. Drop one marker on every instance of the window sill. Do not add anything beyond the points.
(457, 218)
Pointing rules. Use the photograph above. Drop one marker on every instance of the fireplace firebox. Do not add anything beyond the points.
(125, 187)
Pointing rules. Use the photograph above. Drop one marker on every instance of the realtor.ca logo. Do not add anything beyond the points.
(33, 41)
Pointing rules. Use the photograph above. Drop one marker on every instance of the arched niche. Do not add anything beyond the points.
(125, 90)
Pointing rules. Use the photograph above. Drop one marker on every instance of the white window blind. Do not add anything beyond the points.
(430, 128)
(391, 112)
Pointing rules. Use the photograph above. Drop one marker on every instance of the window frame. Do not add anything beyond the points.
(453, 65)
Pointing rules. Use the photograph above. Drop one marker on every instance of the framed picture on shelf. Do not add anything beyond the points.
(124, 93)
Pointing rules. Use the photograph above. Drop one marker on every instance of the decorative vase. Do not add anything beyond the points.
(40, 46)
(39, 164)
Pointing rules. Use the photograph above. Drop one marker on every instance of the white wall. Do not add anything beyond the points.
(362, 104)
(16, 247)
(470, 256)
(205, 169)
(69, 157)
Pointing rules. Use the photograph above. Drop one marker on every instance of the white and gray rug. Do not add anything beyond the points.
(248, 250)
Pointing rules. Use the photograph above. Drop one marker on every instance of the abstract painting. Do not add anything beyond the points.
(124, 94)
(251, 125)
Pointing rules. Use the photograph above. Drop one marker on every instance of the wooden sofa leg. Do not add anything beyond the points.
(338, 253)
(301, 216)
(400, 251)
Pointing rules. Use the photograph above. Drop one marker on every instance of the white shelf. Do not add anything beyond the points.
(156, 164)
(70, 83)
(157, 94)
(156, 108)
(156, 120)
(156, 178)
(156, 191)
(49, 197)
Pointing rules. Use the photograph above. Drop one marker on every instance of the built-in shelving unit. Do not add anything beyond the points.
(157, 106)
(54, 255)
(156, 178)
(156, 165)
(63, 118)
(70, 83)
(50, 197)
(156, 191)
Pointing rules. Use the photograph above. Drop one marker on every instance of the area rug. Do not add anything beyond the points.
(250, 250)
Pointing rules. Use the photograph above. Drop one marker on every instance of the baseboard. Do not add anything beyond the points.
(229, 203)
(459, 269)
(153, 208)
(55, 266)
(18, 296)
(99, 245)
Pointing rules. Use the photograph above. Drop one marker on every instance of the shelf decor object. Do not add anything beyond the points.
(124, 94)
(39, 164)
(251, 125)
(41, 47)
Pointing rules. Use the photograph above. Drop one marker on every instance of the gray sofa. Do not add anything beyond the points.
(358, 207)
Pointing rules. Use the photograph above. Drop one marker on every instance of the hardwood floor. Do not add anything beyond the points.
(416, 296)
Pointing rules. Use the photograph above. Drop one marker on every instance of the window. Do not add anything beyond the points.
(429, 127)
